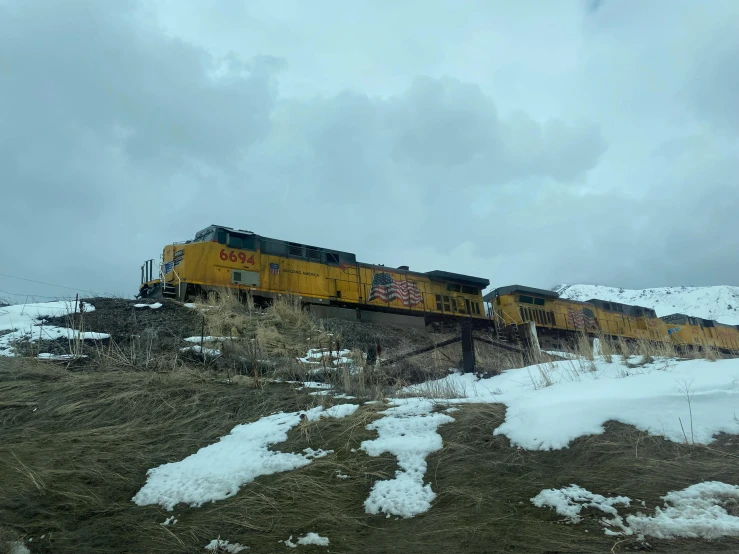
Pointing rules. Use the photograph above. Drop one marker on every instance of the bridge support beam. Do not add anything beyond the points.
(468, 348)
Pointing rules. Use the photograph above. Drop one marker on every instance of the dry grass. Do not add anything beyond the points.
(76, 448)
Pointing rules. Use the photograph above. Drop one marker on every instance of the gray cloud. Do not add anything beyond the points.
(121, 133)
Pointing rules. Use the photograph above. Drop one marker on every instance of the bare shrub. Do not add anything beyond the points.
(437, 389)
(140, 354)
(712, 354)
(541, 375)
(606, 346)
(583, 346)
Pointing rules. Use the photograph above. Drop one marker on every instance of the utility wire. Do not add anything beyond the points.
(34, 295)
(49, 284)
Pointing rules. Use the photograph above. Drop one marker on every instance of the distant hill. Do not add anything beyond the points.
(719, 302)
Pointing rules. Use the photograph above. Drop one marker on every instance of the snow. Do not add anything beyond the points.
(18, 547)
(208, 352)
(59, 357)
(408, 431)
(25, 322)
(310, 538)
(695, 512)
(319, 356)
(569, 501)
(153, 306)
(311, 385)
(219, 545)
(314, 538)
(169, 521)
(584, 395)
(719, 302)
(217, 471)
(207, 339)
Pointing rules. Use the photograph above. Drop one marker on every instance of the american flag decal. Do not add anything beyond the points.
(582, 319)
(387, 289)
(274, 269)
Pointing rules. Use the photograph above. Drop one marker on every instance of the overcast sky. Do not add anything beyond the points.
(533, 142)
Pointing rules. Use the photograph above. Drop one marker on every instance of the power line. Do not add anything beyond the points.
(49, 284)
(34, 295)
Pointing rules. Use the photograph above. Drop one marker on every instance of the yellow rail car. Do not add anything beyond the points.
(700, 333)
(221, 257)
(555, 317)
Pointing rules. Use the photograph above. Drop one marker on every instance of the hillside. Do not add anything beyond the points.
(220, 427)
(720, 302)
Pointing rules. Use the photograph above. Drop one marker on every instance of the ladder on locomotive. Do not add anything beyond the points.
(169, 290)
(505, 332)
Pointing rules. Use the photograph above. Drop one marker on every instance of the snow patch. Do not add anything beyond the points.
(569, 502)
(219, 545)
(309, 538)
(324, 356)
(696, 512)
(583, 395)
(217, 471)
(314, 538)
(26, 322)
(59, 357)
(207, 352)
(154, 306)
(408, 431)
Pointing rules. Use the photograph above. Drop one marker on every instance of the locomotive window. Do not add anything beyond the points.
(332, 258)
(454, 288)
(438, 302)
(469, 290)
(294, 249)
(221, 235)
(277, 248)
(249, 243)
(234, 241)
(538, 301)
(618, 308)
(526, 299)
(313, 253)
(606, 306)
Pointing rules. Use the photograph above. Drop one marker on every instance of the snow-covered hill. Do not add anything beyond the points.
(720, 302)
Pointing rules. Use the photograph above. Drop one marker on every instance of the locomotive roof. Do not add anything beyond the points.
(629, 309)
(448, 276)
(500, 291)
(683, 318)
(350, 257)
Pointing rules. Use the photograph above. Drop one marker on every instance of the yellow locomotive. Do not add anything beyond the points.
(221, 257)
(556, 319)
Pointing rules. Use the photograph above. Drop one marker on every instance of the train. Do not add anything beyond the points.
(333, 283)
(329, 281)
(558, 319)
